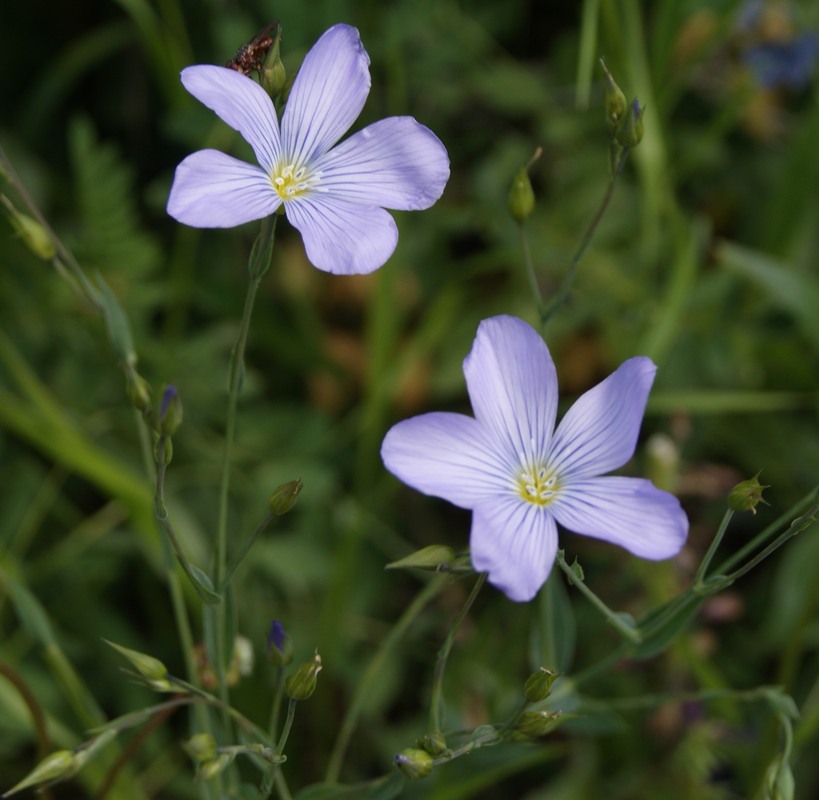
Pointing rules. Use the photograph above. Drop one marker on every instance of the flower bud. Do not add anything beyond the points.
(614, 101)
(521, 201)
(432, 557)
(434, 743)
(170, 411)
(210, 769)
(538, 723)
(284, 497)
(538, 686)
(779, 783)
(414, 763)
(302, 683)
(151, 669)
(272, 75)
(630, 130)
(279, 645)
(58, 766)
(200, 747)
(745, 496)
(33, 235)
(138, 391)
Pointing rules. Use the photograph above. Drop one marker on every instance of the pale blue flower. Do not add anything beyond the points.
(335, 196)
(520, 476)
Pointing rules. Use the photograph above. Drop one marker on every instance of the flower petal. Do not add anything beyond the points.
(630, 512)
(241, 103)
(395, 163)
(599, 432)
(342, 237)
(327, 96)
(444, 455)
(214, 190)
(515, 542)
(513, 387)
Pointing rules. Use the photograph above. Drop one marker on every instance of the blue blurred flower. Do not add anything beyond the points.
(784, 64)
(335, 196)
(520, 476)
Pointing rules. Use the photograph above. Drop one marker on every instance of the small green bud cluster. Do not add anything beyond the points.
(624, 120)
(538, 685)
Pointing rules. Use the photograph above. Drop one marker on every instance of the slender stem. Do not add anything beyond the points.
(443, 655)
(288, 724)
(566, 286)
(258, 265)
(367, 679)
(715, 543)
(275, 710)
(530, 268)
(239, 557)
(624, 629)
(162, 516)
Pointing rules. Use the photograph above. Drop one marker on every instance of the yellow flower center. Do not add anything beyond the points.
(291, 181)
(538, 485)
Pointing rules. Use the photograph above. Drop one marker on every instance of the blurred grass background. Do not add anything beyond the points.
(706, 261)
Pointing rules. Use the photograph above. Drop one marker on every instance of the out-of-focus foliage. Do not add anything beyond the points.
(706, 261)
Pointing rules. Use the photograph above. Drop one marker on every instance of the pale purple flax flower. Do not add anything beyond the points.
(335, 196)
(520, 476)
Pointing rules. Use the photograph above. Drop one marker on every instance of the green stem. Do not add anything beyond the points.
(443, 655)
(161, 511)
(239, 557)
(566, 286)
(624, 629)
(258, 265)
(275, 710)
(288, 724)
(715, 543)
(530, 269)
(367, 679)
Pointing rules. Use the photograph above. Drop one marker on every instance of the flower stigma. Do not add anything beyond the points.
(538, 485)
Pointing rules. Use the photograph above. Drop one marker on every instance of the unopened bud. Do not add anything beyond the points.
(614, 101)
(58, 766)
(302, 683)
(435, 743)
(150, 669)
(201, 747)
(538, 723)
(414, 763)
(279, 645)
(630, 130)
(33, 235)
(284, 497)
(747, 495)
(170, 411)
(210, 769)
(779, 781)
(138, 391)
(272, 75)
(521, 202)
(433, 557)
(538, 686)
